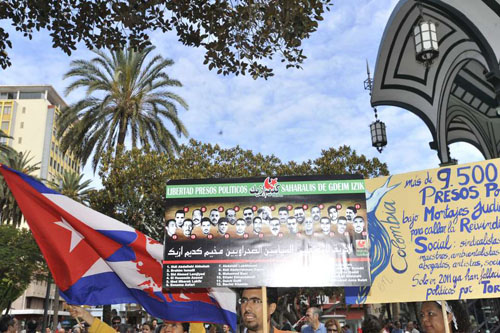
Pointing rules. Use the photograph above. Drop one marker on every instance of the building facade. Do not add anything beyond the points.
(28, 114)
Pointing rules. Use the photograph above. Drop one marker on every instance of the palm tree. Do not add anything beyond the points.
(125, 95)
(70, 184)
(4, 149)
(10, 212)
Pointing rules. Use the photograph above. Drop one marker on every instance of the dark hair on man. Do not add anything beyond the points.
(223, 219)
(246, 208)
(331, 207)
(283, 208)
(342, 218)
(371, 324)
(314, 207)
(185, 327)
(203, 219)
(180, 211)
(6, 321)
(272, 295)
(353, 209)
(31, 326)
(170, 221)
(214, 209)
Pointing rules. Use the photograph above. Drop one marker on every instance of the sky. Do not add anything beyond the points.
(293, 115)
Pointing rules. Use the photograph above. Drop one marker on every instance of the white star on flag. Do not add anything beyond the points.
(76, 237)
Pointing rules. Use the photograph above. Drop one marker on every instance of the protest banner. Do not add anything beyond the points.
(434, 234)
(251, 232)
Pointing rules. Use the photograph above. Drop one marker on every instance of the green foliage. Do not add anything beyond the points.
(238, 36)
(10, 211)
(126, 94)
(21, 261)
(70, 184)
(134, 182)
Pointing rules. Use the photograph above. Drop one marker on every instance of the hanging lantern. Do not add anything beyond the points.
(379, 136)
(426, 42)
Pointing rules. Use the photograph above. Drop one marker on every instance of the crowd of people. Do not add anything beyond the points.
(318, 220)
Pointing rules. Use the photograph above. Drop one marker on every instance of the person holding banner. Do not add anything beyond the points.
(251, 310)
(431, 316)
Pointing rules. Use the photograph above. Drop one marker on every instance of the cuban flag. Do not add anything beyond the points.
(97, 260)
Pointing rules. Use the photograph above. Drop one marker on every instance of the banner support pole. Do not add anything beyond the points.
(445, 317)
(265, 329)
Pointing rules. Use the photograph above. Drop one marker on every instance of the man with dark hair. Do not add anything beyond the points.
(116, 322)
(205, 226)
(257, 225)
(325, 225)
(179, 218)
(299, 214)
(214, 216)
(315, 213)
(231, 215)
(240, 227)
(251, 309)
(283, 214)
(309, 226)
(187, 227)
(292, 225)
(350, 213)
(197, 216)
(333, 214)
(313, 323)
(248, 215)
(274, 226)
(410, 327)
(8, 324)
(223, 226)
(171, 228)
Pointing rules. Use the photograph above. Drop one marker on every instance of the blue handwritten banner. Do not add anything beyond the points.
(434, 235)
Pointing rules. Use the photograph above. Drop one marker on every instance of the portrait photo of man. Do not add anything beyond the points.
(187, 227)
(197, 216)
(206, 225)
(299, 214)
(315, 213)
(214, 216)
(350, 213)
(265, 213)
(240, 227)
(231, 216)
(325, 225)
(283, 215)
(257, 225)
(292, 225)
(171, 227)
(179, 218)
(341, 225)
(274, 226)
(333, 214)
(309, 226)
(223, 226)
(248, 215)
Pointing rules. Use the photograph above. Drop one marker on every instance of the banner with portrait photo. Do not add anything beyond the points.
(435, 234)
(252, 232)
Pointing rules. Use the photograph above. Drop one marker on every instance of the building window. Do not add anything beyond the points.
(21, 125)
(8, 95)
(31, 95)
(19, 140)
(5, 126)
(24, 109)
(7, 109)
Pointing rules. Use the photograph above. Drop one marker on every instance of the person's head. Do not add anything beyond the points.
(275, 225)
(315, 213)
(31, 326)
(231, 215)
(205, 225)
(257, 224)
(115, 322)
(251, 307)
(371, 324)
(240, 227)
(350, 212)
(397, 324)
(333, 213)
(431, 317)
(359, 224)
(154, 323)
(325, 224)
(179, 218)
(187, 227)
(341, 225)
(312, 314)
(8, 324)
(248, 215)
(299, 214)
(265, 213)
(292, 225)
(174, 327)
(146, 328)
(226, 328)
(214, 216)
(223, 225)
(309, 226)
(410, 326)
(283, 214)
(333, 326)
(197, 216)
(171, 227)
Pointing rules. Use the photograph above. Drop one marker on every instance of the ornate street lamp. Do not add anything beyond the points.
(379, 136)
(377, 128)
(426, 41)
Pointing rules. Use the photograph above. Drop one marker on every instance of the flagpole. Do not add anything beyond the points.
(46, 305)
